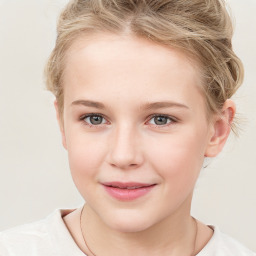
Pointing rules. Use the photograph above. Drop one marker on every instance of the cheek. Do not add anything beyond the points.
(85, 154)
(178, 164)
(179, 158)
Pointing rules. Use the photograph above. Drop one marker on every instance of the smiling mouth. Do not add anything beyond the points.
(127, 191)
(130, 185)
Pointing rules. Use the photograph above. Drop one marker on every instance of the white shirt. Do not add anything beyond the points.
(51, 237)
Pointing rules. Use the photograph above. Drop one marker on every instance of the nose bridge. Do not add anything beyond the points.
(125, 150)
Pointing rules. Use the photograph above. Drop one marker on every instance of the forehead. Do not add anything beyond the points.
(104, 63)
(99, 46)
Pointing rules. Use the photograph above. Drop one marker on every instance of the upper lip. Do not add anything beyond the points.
(127, 185)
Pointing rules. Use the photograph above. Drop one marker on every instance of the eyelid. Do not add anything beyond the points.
(83, 117)
(172, 119)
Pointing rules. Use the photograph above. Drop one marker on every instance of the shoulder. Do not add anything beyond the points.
(38, 238)
(233, 247)
(223, 245)
(22, 237)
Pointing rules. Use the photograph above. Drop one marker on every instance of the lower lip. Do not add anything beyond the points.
(128, 194)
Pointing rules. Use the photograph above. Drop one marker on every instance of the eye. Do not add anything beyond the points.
(160, 120)
(94, 119)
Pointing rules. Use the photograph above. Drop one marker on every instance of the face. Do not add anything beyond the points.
(135, 129)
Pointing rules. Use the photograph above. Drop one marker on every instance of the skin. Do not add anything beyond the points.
(129, 75)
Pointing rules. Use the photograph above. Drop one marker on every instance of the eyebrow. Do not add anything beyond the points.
(147, 106)
(88, 103)
(163, 104)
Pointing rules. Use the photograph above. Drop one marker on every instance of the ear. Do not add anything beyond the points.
(61, 124)
(221, 128)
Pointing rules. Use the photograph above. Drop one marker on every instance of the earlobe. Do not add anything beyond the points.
(61, 124)
(221, 128)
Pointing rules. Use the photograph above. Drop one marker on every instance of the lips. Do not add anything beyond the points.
(127, 191)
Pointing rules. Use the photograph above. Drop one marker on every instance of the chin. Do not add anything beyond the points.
(128, 222)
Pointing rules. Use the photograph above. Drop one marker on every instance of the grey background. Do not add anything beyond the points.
(34, 173)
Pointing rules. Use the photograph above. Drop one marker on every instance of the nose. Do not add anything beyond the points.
(125, 148)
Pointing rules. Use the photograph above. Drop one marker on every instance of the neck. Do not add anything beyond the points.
(172, 236)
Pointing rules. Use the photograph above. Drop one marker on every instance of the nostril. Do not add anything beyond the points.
(124, 166)
(124, 153)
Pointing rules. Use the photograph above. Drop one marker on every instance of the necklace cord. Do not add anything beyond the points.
(83, 232)
(195, 239)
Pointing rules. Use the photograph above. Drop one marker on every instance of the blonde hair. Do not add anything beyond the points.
(202, 28)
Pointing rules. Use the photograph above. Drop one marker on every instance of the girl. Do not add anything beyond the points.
(143, 92)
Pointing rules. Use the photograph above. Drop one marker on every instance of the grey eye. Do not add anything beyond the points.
(160, 120)
(94, 119)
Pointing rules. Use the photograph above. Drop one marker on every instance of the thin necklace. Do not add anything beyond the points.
(195, 239)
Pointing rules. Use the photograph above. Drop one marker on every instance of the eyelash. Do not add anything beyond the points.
(82, 118)
(171, 120)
